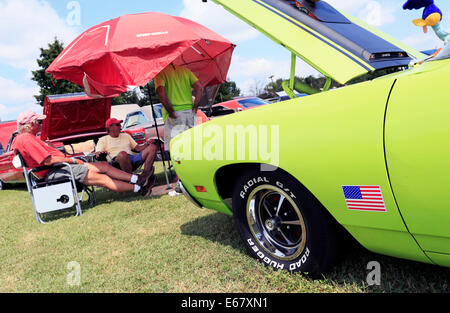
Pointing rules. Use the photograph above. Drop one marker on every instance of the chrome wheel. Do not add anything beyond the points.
(276, 222)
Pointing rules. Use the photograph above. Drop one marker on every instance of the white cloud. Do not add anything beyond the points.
(421, 41)
(11, 91)
(219, 20)
(252, 73)
(349, 6)
(26, 26)
(16, 98)
(11, 113)
(376, 14)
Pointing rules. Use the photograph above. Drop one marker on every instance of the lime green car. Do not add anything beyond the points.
(369, 159)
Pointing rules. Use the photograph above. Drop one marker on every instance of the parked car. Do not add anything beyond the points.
(140, 123)
(232, 106)
(74, 123)
(283, 96)
(368, 160)
(6, 129)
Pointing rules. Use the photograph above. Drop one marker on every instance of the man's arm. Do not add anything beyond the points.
(50, 160)
(166, 102)
(198, 92)
(143, 146)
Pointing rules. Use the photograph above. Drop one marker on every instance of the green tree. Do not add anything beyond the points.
(227, 91)
(129, 97)
(44, 80)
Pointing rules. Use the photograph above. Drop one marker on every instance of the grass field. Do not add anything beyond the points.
(165, 244)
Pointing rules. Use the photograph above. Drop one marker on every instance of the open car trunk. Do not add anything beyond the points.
(72, 117)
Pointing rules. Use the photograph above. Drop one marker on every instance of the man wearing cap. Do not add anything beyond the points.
(37, 153)
(119, 148)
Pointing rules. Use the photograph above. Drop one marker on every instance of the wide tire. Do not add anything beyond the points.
(282, 224)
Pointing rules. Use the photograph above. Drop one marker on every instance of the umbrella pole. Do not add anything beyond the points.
(159, 138)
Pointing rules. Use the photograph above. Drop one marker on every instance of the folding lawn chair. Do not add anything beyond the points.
(55, 195)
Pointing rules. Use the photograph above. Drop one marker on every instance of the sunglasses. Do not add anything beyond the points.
(38, 122)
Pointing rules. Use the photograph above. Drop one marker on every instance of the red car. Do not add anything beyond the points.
(6, 129)
(232, 106)
(74, 122)
(141, 125)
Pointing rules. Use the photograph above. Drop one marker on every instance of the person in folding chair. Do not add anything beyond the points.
(119, 147)
(36, 153)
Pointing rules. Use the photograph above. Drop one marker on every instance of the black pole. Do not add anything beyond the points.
(157, 134)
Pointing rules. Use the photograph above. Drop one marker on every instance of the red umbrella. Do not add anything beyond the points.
(126, 52)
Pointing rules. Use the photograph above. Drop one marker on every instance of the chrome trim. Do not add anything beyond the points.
(188, 196)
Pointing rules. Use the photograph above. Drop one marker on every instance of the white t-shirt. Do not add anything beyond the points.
(116, 145)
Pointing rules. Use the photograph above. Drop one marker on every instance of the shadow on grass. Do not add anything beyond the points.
(216, 227)
(396, 275)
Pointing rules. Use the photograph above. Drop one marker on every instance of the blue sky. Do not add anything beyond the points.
(27, 25)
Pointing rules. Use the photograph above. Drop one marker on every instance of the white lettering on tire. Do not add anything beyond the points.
(250, 183)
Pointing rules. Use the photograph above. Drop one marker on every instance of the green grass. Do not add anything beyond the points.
(165, 244)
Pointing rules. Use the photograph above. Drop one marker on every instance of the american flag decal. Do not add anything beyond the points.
(364, 198)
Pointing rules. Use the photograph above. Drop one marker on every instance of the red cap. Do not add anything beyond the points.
(112, 121)
(29, 117)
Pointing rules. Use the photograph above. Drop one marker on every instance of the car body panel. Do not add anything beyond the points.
(422, 135)
(8, 173)
(389, 132)
(337, 47)
(6, 129)
(330, 140)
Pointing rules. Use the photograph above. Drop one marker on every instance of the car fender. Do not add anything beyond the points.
(326, 141)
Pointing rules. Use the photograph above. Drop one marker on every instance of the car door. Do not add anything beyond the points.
(418, 155)
(8, 173)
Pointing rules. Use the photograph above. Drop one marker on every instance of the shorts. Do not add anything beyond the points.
(135, 158)
(79, 172)
(175, 126)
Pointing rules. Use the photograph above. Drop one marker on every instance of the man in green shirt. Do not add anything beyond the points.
(173, 85)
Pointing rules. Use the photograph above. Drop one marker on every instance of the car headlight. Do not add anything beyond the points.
(139, 136)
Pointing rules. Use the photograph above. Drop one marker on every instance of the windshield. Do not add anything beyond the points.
(248, 103)
(158, 110)
(444, 54)
(134, 119)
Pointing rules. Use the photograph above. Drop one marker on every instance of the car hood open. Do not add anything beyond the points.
(73, 115)
(333, 42)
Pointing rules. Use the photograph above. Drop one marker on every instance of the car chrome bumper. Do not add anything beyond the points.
(188, 196)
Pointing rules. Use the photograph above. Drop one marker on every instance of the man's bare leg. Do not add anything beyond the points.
(94, 178)
(124, 162)
(149, 156)
(111, 171)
